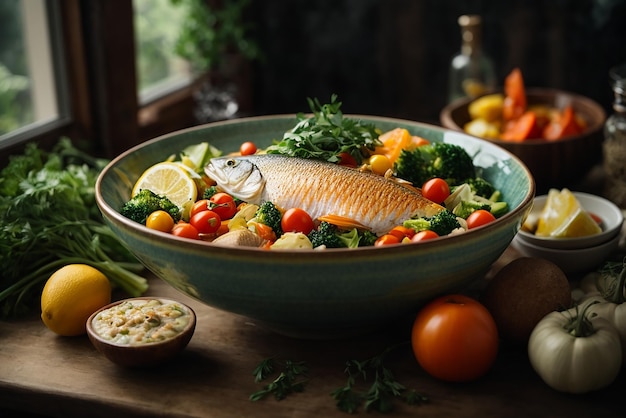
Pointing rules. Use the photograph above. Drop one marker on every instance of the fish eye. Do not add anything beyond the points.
(231, 163)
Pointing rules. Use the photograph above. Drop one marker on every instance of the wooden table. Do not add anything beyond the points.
(58, 376)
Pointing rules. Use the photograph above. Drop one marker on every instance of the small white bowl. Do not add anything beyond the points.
(571, 261)
(611, 215)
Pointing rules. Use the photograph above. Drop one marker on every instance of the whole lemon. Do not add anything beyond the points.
(71, 295)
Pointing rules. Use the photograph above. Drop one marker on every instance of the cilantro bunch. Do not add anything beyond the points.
(48, 219)
(327, 134)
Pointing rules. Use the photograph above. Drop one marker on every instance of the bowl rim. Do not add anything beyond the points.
(189, 328)
(567, 251)
(577, 242)
(445, 116)
(199, 245)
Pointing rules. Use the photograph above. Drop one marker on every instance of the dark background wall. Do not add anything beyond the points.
(391, 57)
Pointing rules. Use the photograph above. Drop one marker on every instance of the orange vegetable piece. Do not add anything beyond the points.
(522, 128)
(515, 103)
(342, 221)
(563, 125)
(395, 141)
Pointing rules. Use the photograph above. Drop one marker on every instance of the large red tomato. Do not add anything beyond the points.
(455, 338)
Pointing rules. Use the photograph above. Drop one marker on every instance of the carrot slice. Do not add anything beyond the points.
(563, 125)
(515, 95)
(524, 127)
(342, 221)
(395, 141)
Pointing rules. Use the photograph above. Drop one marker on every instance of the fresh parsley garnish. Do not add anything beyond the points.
(289, 380)
(327, 134)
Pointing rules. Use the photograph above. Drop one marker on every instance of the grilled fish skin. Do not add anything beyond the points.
(320, 188)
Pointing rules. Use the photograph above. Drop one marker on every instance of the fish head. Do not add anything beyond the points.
(237, 176)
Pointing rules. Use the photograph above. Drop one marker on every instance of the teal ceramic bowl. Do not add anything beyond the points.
(315, 294)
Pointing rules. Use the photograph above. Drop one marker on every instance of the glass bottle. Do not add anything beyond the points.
(614, 146)
(471, 71)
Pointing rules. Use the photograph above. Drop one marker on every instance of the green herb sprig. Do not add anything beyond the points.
(288, 381)
(327, 134)
(382, 392)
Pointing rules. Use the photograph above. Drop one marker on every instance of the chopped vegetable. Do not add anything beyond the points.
(270, 215)
(443, 223)
(49, 218)
(139, 207)
(327, 134)
(444, 160)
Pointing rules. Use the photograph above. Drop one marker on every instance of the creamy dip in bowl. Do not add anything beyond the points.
(141, 331)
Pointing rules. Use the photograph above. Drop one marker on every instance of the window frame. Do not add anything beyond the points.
(103, 115)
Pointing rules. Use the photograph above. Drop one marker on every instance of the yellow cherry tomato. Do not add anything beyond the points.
(160, 220)
(380, 164)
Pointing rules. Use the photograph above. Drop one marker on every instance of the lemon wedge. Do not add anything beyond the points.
(563, 217)
(171, 180)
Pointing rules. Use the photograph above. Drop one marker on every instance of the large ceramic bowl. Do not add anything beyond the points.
(553, 163)
(315, 294)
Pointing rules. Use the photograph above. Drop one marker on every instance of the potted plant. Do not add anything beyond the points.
(215, 41)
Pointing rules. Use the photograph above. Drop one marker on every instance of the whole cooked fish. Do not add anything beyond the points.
(320, 188)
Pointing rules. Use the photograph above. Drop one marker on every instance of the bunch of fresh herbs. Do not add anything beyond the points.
(327, 134)
(48, 219)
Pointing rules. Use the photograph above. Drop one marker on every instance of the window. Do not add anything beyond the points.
(30, 79)
(159, 70)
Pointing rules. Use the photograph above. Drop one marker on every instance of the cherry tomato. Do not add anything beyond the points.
(200, 206)
(424, 235)
(160, 220)
(479, 217)
(346, 159)
(402, 232)
(387, 239)
(185, 230)
(206, 222)
(436, 190)
(454, 338)
(247, 148)
(223, 204)
(297, 220)
(379, 164)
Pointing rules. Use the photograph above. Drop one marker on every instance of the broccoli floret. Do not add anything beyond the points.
(442, 223)
(145, 202)
(269, 214)
(367, 238)
(481, 187)
(209, 192)
(444, 160)
(466, 207)
(326, 234)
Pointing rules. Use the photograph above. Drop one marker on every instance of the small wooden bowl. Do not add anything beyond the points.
(145, 354)
(553, 164)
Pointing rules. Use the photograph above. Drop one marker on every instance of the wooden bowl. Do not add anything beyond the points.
(554, 164)
(124, 349)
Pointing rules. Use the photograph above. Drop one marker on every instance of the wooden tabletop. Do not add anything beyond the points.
(59, 376)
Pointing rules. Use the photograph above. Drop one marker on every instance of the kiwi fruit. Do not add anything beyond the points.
(522, 293)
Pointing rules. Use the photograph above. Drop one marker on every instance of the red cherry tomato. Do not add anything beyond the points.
(436, 190)
(247, 148)
(297, 220)
(424, 235)
(402, 232)
(479, 217)
(224, 205)
(346, 159)
(387, 239)
(206, 222)
(455, 338)
(200, 206)
(185, 230)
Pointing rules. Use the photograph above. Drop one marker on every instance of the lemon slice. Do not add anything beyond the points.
(562, 216)
(170, 180)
